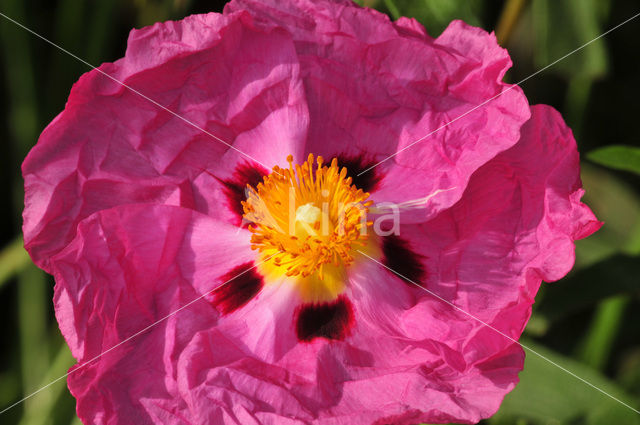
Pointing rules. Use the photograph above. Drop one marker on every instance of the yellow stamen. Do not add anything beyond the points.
(307, 220)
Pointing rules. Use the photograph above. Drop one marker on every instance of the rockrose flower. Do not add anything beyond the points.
(247, 189)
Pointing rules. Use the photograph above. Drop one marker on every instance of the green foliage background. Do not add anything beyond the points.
(588, 322)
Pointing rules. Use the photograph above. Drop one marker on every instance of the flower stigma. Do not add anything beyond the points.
(306, 221)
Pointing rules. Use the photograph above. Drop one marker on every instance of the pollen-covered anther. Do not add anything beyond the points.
(307, 216)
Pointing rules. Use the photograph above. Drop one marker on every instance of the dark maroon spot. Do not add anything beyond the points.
(326, 320)
(246, 173)
(399, 257)
(356, 165)
(237, 288)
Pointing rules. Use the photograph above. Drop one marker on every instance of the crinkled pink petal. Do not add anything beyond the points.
(126, 269)
(112, 147)
(374, 88)
(514, 226)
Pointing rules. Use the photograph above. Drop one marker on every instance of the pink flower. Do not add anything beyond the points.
(137, 213)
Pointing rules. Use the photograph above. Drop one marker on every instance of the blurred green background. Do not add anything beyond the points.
(588, 322)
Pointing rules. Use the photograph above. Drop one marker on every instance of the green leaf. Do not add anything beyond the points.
(576, 102)
(587, 287)
(47, 401)
(546, 394)
(562, 26)
(509, 17)
(615, 203)
(599, 339)
(393, 9)
(32, 302)
(619, 157)
(435, 15)
(21, 96)
(13, 259)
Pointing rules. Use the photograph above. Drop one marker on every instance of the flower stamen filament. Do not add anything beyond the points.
(308, 218)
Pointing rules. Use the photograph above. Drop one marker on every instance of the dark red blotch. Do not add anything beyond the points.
(330, 320)
(246, 173)
(237, 288)
(404, 262)
(356, 165)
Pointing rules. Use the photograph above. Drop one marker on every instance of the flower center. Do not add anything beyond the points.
(306, 220)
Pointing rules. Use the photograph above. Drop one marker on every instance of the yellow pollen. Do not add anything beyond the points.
(306, 220)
